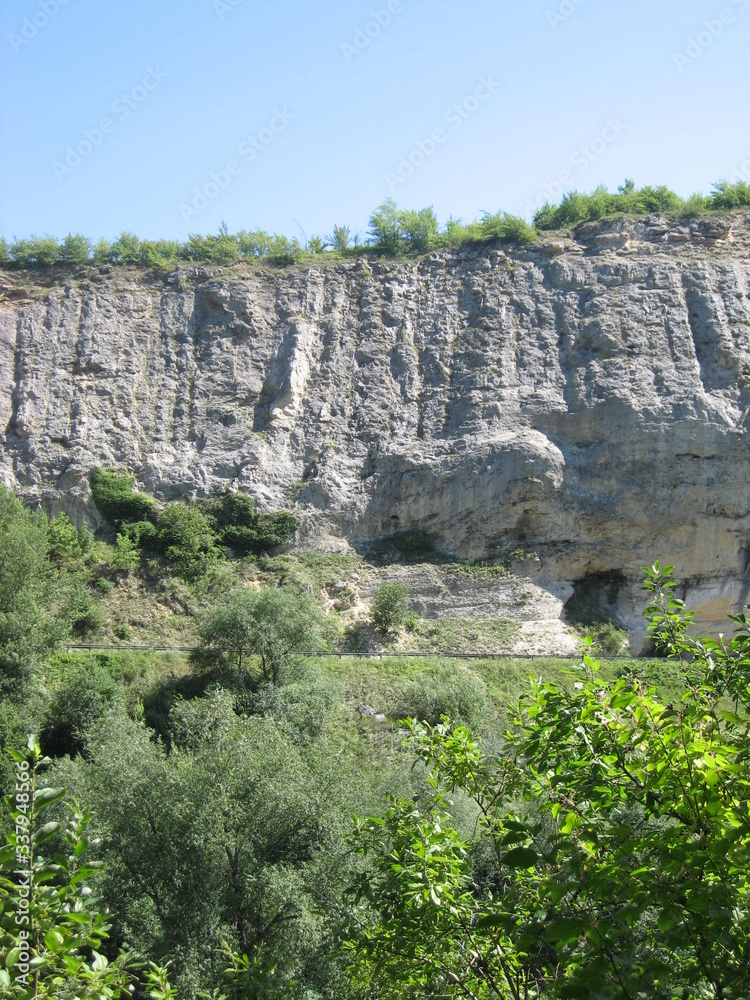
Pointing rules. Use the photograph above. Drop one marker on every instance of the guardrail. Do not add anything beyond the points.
(363, 654)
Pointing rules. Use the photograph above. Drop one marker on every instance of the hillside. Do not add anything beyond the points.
(583, 399)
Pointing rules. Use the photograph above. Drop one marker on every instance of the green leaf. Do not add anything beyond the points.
(44, 833)
(53, 940)
(520, 857)
(46, 796)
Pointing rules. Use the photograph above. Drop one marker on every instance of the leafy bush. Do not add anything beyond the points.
(84, 696)
(606, 636)
(392, 232)
(445, 690)
(74, 249)
(628, 200)
(64, 540)
(126, 555)
(116, 500)
(28, 588)
(185, 537)
(84, 615)
(390, 606)
(243, 529)
(615, 827)
(395, 231)
(726, 195)
(34, 252)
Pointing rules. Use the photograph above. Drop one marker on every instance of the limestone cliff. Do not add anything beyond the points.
(586, 398)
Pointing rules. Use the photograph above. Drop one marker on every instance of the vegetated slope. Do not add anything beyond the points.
(584, 398)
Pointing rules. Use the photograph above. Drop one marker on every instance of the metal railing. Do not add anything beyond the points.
(361, 654)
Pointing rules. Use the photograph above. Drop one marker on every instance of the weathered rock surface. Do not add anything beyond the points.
(586, 399)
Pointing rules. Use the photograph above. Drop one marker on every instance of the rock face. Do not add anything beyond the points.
(586, 398)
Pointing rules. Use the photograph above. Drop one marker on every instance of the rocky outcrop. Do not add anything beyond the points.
(585, 398)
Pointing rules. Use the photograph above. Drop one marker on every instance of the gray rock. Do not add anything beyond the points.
(590, 406)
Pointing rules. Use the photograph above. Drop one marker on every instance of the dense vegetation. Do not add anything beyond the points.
(630, 200)
(392, 232)
(600, 848)
(190, 535)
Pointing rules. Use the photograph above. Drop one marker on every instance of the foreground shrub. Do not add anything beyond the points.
(617, 860)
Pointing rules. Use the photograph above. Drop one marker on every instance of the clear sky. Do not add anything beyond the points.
(165, 117)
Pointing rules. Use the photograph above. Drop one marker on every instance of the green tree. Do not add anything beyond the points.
(390, 606)
(83, 697)
(28, 587)
(65, 546)
(270, 623)
(628, 872)
(340, 239)
(233, 836)
(75, 249)
(385, 228)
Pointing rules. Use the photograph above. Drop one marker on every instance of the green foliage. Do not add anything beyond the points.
(84, 615)
(51, 931)
(28, 627)
(66, 546)
(395, 231)
(390, 606)
(626, 872)
(187, 534)
(126, 554)
(116, 500)
(232, 838)
(629, 200)
(340, 239)
(606, 636)
(269, 623)
(447, 689)
(34, 252)
(242, 528)
(85, 695)
(729, 196)
(184, 535)
(74, 249)
(392, 231)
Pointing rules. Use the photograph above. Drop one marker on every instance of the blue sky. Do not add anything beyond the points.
(165, 117)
